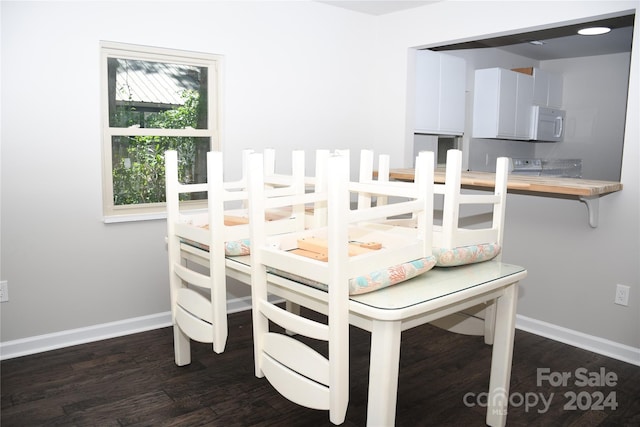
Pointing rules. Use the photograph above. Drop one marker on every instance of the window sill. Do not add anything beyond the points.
(113, 219)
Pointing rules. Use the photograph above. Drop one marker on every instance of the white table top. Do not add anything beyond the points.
(437, 283)
(433, 289)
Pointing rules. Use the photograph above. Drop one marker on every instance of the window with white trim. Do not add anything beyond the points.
(153, 100)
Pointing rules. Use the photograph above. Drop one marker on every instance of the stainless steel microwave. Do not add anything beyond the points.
(547, 124)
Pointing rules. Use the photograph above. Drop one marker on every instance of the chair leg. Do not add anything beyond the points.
(220, 335)
(181, 347)
(490, 322)
(219, 306)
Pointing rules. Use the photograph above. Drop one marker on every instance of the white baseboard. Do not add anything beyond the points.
(42, 343)
(47, 342)
(239, 304)
(591, 343)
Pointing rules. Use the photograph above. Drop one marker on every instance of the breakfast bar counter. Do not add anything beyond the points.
(540, 185)
(586, 190)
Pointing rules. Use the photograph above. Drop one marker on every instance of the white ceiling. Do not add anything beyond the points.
(377, 7)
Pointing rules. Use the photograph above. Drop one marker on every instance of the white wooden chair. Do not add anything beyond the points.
(198, 286)
(455, 244)
(296, 370)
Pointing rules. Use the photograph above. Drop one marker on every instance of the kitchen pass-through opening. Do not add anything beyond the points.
(439, 144)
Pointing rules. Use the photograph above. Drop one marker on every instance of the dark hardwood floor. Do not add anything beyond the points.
(133, 381)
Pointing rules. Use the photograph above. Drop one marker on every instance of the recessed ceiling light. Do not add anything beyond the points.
(593, 31)
(537, 42)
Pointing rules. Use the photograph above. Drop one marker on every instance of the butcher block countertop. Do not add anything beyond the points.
(539, 185)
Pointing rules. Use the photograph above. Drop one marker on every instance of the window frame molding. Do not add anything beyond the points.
(215, 65)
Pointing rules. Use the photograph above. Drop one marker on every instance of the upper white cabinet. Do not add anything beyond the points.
(547, 88)
(440, 93)
(502, 104)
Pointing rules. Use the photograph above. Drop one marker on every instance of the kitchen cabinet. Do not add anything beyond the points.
(502, 104)
(547, 88)
(440, 93)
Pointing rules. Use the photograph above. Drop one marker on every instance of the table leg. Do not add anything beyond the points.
(181, 346)
(383, 373)
(489, 322)
(502, 356)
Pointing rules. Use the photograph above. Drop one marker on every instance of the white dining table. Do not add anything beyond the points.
(387, 312)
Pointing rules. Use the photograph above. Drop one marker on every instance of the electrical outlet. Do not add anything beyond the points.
(4, 291)
(622, 295)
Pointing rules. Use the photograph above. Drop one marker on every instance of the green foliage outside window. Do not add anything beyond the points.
(138, 161)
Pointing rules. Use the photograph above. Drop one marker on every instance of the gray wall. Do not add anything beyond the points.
(595, 99)
(289, 83)
(65, 267)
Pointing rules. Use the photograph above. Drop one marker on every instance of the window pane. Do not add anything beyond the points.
(150, 94)
(138, 166)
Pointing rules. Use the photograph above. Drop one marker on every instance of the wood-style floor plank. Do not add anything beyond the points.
(133, 381)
